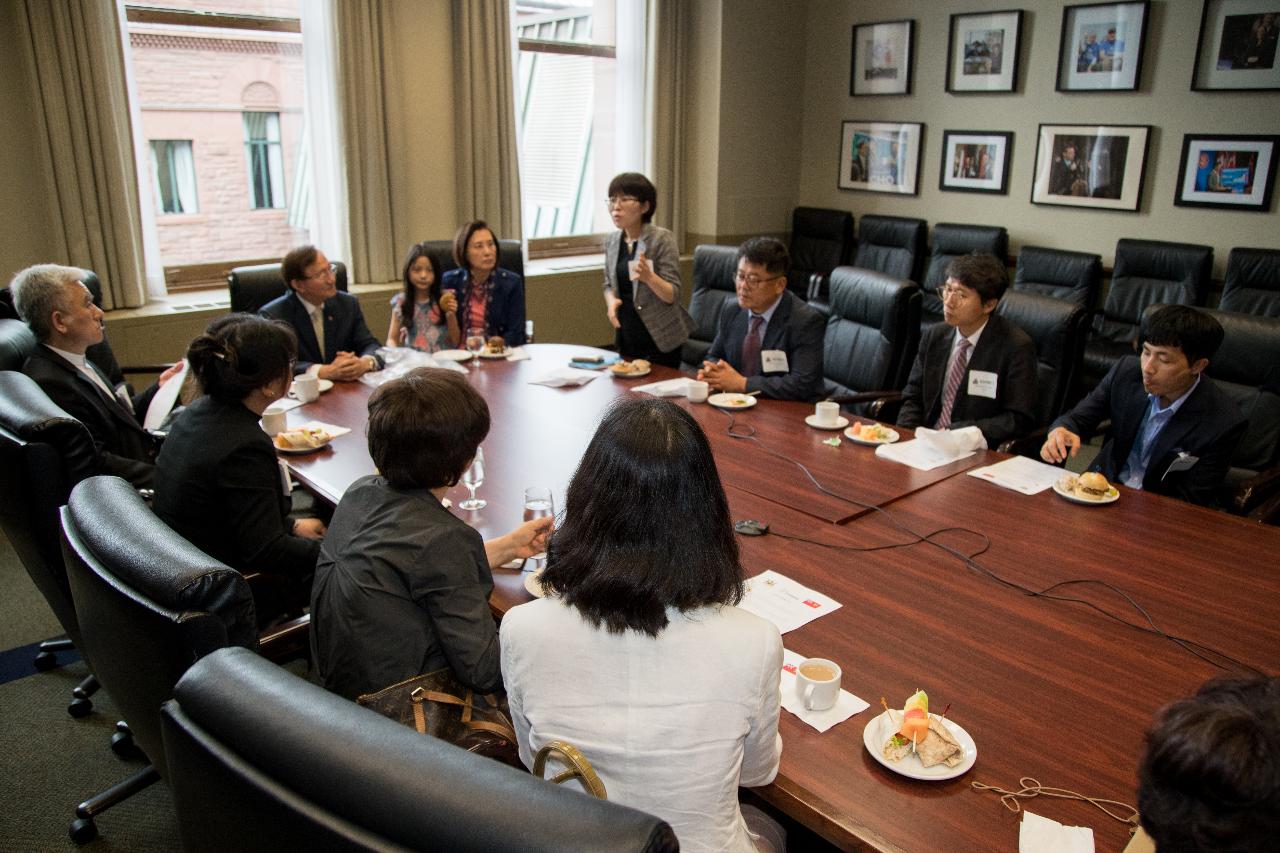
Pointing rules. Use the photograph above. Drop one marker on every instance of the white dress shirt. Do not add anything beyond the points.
(672, 724)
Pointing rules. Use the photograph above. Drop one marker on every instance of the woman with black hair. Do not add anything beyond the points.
(218, 481)
(637, 655)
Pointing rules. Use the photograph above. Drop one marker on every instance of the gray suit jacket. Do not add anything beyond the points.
(668, 325)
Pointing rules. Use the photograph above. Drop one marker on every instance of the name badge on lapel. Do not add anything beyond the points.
(982, 383)
(1184, 462)
(773, 361)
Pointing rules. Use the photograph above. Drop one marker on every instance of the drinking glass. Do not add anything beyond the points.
(473, 478)
(538, 503)
(475, 341)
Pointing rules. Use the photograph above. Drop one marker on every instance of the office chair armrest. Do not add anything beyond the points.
(1267, 512)
(286, 641)
(1026, 445)
(1258, 489)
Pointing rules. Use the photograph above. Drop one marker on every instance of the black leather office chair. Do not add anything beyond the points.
(43, 453)
(821, 240)
(871, 339)
(950, 241)
(893, 245)
(510, 256)
(262, 760)
(148, 604)
(1074, 277)
(1147, 272)
(16, 343)
(254, 286)
(1058, 329)
(1252, 285)
(713, 270)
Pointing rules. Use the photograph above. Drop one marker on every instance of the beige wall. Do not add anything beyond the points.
(1164, 101)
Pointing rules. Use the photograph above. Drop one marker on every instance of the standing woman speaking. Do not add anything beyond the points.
(642, 276)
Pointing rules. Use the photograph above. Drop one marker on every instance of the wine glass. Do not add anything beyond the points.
(538, 503)
(473, 478)
(475, 341)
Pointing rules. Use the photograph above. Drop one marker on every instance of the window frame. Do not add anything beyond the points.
(170, 165)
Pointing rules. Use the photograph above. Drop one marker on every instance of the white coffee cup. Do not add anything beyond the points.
(274, 420)
(826, 414)
(818, 683)
(697, 391)
(306, 387)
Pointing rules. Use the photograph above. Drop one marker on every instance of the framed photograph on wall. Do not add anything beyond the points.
(982, 52)
(880, 156)
(1227, 172)
(1237, 46)
(1101, 47)
(881, 58)
(975, 161)
(1085, 165)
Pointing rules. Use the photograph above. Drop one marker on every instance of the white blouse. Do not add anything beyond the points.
(672, 724)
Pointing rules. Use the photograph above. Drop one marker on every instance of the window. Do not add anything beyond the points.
(262, 153)
(175, 175)
(578, 105)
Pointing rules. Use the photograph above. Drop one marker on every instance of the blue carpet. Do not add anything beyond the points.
(17, 663)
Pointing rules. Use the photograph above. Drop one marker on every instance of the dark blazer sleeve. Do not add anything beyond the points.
(1209, 426)
(506, 308)
(805, 329)
(285, 309)
(913, 407)
(1090, 412)
(249, 484)
(450, 586)
(720, 347)
(356, 336)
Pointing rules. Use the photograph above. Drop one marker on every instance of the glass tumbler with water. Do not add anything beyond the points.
(538, 503)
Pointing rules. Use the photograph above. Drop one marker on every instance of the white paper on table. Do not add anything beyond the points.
(1038, 834)
(517, 354)
(846, 705)
(332, 429)
(784, 602)
(565, 376)
(934, 448)
(1020, 474)
(665, 388)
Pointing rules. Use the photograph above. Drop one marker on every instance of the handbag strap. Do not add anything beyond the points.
(578, 767)
(502, 729)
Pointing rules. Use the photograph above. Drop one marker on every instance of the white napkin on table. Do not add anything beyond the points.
(934, 448)
(665, 388)
(517, 354)
(1038, 834)
(565, 376)
(846, 705)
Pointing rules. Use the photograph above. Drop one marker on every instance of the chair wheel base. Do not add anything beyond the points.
(45, 661)
(80, 707)
(123, 746)
(83, 830)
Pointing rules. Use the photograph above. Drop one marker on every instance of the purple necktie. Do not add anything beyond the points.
(751, 347)
(954, 379)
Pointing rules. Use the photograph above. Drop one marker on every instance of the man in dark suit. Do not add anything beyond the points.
(1172, 429)
(975, 368)
(60, 311)
(771, 341)
(333, 340)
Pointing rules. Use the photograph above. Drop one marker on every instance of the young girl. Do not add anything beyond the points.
(421, 316)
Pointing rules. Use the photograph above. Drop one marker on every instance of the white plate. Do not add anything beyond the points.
(732, 402)
(452, 355)
(882, 727)
(299, 451)
(533, 585)
(841, 422)
(484, 353)
(853, 436)
(1111, 496)
(635, 374)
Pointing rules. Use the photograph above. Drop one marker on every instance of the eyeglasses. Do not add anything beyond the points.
(332, 269)
(752, 280)
(957, 294)
(618, 201)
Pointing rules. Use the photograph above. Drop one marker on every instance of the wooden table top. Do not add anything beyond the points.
(1047, 689)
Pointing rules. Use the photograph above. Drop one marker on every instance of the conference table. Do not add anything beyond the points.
(1050, 689)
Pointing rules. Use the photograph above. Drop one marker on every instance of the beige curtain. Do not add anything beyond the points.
(666, 48)
(82, 119)
(488, 162)
(362, 34)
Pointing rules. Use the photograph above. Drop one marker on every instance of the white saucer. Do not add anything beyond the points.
(533, 584)
(879, 730)
(452, 354)
(841, 422)
(325, 385)
(732, 402)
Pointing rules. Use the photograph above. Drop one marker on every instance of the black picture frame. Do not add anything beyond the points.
(963, 63)
(890, 163)
(962, 167)
(1114, 64)
(1107, 171)
(1223, 60)
(1241, 171)
(887, 54)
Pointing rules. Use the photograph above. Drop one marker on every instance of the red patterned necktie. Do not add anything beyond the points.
(751, 347)
(954, 378)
